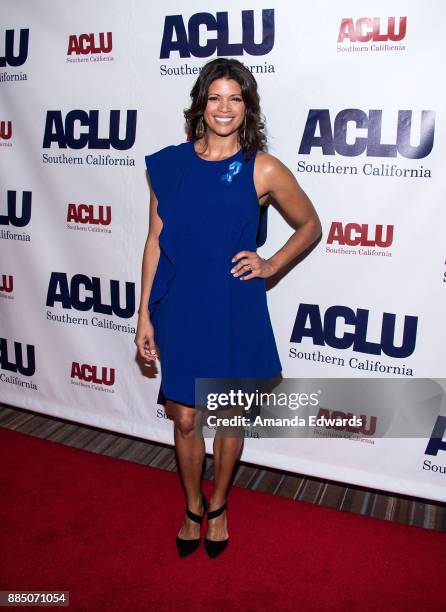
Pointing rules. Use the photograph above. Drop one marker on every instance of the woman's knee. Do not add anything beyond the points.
(187, 425)
(186, 420)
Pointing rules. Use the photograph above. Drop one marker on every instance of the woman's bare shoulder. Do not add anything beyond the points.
(268, 163)
(268, 171)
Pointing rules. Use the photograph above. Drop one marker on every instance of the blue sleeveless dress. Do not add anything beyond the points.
(207, 323)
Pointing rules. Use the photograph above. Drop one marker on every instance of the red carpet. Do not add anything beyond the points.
(104, 529)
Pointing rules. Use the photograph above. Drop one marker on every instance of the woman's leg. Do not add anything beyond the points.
(190, 451)
(227, 450)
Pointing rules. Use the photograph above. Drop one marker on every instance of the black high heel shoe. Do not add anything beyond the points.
(216, 547)
(186, 547)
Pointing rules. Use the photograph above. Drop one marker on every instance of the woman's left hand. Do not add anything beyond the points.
(251, 265)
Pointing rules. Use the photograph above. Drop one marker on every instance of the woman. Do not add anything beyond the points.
(203, 310)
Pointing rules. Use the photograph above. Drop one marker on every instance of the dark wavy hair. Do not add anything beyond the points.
(223, 67)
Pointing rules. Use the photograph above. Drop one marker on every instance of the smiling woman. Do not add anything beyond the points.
(203, 311)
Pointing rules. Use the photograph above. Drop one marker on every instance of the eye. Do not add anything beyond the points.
(213, 98)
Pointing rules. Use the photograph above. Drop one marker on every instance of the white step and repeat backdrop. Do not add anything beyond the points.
(353, 99)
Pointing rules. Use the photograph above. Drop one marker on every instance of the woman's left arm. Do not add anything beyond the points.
(273, 178)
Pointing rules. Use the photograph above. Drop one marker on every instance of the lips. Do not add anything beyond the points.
(223, 120)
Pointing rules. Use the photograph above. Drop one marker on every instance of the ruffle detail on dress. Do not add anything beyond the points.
(165, 271)
(158, 165)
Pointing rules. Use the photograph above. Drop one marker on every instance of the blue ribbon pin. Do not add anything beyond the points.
(234, 168)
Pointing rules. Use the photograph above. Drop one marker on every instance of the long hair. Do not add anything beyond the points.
(231, 69)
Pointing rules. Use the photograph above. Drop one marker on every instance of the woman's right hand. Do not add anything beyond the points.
(145, 340)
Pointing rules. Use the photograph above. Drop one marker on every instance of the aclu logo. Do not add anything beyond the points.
(367, 427)
(89, 214)
(11, 44)
(187, 38)
(85, 293)
(79, 129)
(6, 132)
(20, 359)
(13, 216)
(339, 136)
(6, 284)
(90, 44)
(360, 234)
(329, 330)
(90, 373)
(367, 29)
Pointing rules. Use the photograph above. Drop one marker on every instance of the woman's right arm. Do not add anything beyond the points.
(144, 338)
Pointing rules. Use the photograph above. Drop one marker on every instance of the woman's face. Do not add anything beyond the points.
(225, 109)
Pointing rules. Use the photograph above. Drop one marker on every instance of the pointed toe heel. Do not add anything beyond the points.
(186, 547)
(214, 548)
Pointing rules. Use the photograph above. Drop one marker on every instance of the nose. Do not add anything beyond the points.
(224, 105)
